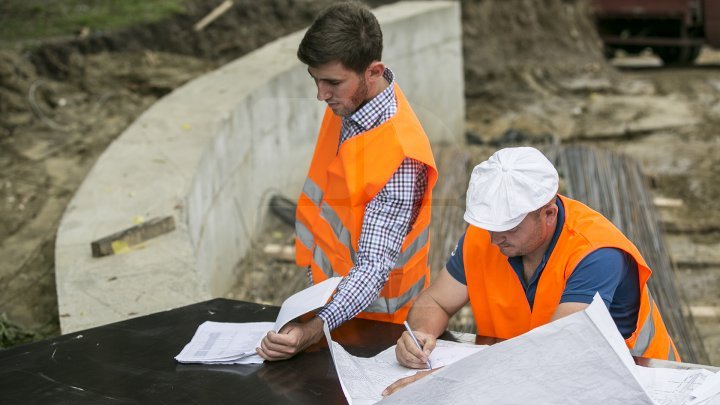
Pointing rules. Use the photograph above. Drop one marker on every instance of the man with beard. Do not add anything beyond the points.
(364, 211)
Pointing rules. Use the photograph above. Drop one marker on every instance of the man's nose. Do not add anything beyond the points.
(322, 92)
(496, 237)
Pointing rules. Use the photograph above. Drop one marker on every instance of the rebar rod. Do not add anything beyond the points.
(615, 186)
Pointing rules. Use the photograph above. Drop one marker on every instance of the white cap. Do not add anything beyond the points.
(508, 186)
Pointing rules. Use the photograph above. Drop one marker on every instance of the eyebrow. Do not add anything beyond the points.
(326, 79)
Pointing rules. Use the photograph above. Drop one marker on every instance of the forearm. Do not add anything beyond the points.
(432, 310)
(427, 316)
(358, 290)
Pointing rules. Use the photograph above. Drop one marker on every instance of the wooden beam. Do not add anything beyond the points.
(217, 12)
(121, 241)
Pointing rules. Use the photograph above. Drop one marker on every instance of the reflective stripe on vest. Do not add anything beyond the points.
(413, 248)
(312, 191)
(342, 233)
(324, 263)
(304, 235)
(315, 194)
(321, 259)
(390, 305)
(647, 332)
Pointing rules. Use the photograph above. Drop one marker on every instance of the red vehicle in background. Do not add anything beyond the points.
(675, 30)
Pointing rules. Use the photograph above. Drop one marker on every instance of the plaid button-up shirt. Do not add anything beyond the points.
(388, 217)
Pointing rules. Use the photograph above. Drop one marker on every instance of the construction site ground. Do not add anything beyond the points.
(534, 79)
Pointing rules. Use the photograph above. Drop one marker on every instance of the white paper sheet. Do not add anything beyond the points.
(446, 353)
(305, 301)
(566, 361)
(364, 379)
(601, 318)
(668, 386)
(224, 343)
(708, 391)
(235, 343)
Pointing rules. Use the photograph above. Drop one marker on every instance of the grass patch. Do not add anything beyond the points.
(11, 334)
(36, 19)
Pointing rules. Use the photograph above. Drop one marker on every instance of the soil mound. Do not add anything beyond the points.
(507, 43)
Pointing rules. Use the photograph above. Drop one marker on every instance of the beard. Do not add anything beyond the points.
(357, 100)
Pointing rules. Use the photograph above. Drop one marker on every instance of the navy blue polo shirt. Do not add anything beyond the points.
(611, 272)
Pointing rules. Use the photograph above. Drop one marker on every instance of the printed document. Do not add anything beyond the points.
(669, 386)
(364, 379)
(235, 343)
(225, 343)
(581, 356)
(708, 392)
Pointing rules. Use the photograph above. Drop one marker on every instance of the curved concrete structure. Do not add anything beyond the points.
(212, 153)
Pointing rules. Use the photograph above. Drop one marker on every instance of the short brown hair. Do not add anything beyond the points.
(346, 32)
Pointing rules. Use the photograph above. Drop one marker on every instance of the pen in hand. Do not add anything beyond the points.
(412, 335)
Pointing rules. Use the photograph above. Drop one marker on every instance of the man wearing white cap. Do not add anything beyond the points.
(530, 256)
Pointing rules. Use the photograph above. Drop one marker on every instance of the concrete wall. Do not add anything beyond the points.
(212, 153)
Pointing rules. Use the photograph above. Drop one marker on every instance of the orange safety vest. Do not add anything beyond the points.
(340, 184)
(499, 302)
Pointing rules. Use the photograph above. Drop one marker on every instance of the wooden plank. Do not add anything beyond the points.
(283, 253)
(217, 12)
(132, 236)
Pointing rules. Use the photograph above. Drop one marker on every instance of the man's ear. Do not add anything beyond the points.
(552, 212)
(375, 71)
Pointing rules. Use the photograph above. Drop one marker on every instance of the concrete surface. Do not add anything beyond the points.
(212, 153)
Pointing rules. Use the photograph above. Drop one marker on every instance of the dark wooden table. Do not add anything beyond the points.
(133, 362)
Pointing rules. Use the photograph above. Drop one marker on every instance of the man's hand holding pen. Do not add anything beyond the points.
(414, 351)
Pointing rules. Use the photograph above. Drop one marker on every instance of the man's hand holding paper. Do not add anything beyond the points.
(228, 343)
(291, 340)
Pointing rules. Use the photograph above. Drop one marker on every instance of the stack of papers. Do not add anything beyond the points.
(225, 343)
(235, 343)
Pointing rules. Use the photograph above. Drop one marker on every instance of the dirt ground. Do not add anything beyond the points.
(535, 77)
(62, 101)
